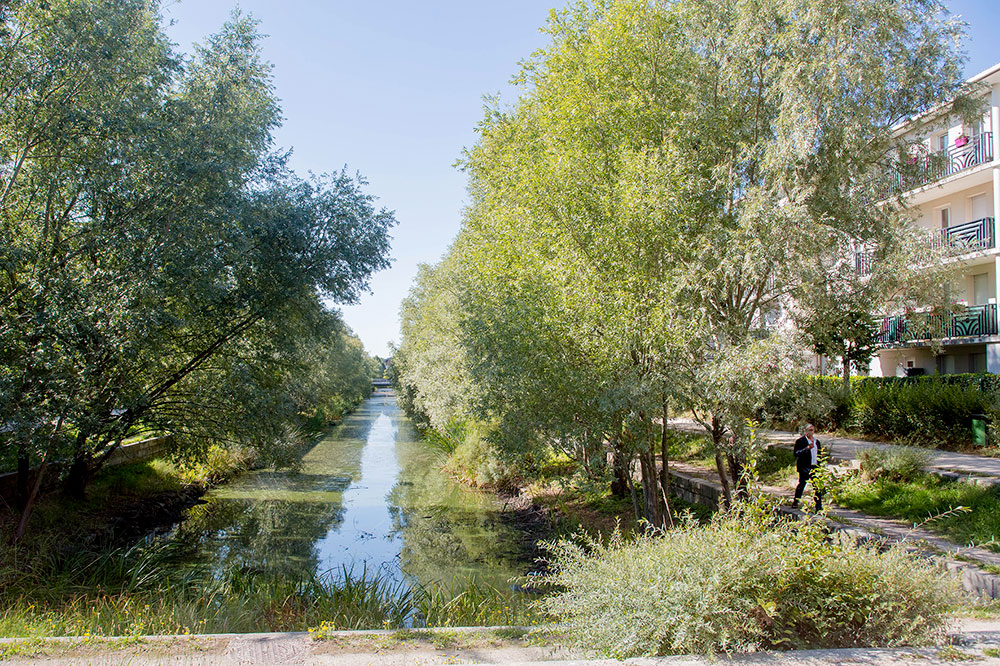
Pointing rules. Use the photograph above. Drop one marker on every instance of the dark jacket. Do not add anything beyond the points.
(803, 457)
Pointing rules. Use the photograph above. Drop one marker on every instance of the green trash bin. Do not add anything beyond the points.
(980, 431)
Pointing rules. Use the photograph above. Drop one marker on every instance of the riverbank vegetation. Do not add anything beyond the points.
(163, 270)
(128, 592)
(659, 224)
(744, 582)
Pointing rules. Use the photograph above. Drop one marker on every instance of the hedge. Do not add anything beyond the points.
(930, 410)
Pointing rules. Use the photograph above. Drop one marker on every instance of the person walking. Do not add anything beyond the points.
(807, 450)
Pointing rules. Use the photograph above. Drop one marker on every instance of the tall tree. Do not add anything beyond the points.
(157, 260)
(666, 184)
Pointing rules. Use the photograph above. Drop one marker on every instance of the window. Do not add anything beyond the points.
(940, 142)
(945, 217)
(981, 289)
(979, 207)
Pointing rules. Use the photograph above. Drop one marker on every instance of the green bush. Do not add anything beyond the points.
(822, 401)
(743, 583)
(903, 465)
(477, 462)
(933, 411)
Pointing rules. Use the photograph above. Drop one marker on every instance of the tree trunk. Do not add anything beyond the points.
(653, 512)
(82, 469)
(736, 469)
(847, 374)
(23, 473)
(620, 483)
(635, 500)
(720, 468)
(664, 470)
(720, 465)
(29, 502)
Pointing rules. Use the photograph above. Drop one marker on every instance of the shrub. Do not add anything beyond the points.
(903, 465)
(930, 411)
(822, 401)
(477, 462)
(742, 583)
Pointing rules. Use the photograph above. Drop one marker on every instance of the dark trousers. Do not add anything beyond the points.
(805, 475)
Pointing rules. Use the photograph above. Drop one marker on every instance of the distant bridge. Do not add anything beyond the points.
(381, 384)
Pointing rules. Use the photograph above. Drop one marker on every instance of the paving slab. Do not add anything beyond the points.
(975, 641)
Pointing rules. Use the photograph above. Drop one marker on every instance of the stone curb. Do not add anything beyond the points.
(271, 634)
(970, 640)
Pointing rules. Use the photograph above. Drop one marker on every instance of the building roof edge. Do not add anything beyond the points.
(906, 125)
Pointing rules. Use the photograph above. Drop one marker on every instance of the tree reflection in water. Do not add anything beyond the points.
(370, 495)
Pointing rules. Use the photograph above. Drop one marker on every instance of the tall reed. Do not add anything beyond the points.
(128, 592)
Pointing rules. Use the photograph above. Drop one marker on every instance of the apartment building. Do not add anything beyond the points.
(952, 180)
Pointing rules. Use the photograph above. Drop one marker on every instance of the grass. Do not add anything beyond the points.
(925, 497)
(952, 653)
(688, 447)
(128, 593)
(776, 465)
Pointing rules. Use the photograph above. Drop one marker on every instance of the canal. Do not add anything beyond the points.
(369, 496)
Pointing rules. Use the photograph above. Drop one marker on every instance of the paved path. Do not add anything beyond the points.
(844, 448)
(976, 641)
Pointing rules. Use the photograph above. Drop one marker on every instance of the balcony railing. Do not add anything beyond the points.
(975, 235)
(923, 169)
(975, 320)
(863, 262)
(970, 236)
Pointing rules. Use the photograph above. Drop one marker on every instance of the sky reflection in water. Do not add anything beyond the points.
(369, 495)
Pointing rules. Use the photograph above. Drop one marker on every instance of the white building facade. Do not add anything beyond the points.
(952, 181)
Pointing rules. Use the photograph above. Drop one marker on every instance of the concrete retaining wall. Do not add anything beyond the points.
(695, 490)
(146, 449)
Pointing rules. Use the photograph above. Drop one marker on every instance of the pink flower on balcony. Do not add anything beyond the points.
(961, 141)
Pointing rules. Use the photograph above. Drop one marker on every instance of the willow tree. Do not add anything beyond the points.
(429, 367)
(670, 177)
(160, 264)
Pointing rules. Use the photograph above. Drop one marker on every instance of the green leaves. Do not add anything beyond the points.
(672, 177)
(160, 267)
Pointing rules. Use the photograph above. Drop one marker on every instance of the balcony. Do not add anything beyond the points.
(969, 237)
(863, 262)
(975, 320)
(924, 169)
(976, 235)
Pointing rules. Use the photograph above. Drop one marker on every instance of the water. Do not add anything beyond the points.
(369, 495)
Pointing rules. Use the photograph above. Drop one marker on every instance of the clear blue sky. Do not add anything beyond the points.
(393, 89)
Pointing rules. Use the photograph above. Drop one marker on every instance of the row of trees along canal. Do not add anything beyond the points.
(662, 220)
(161, 268)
